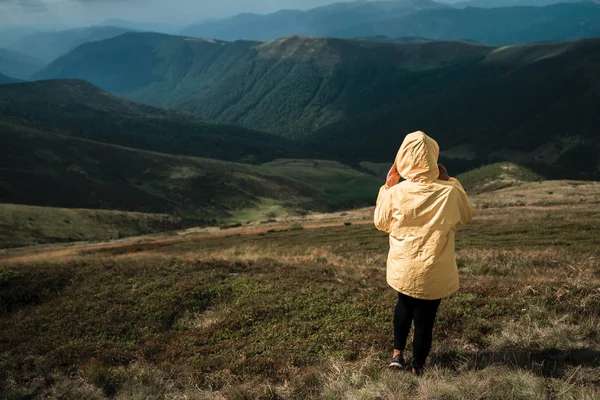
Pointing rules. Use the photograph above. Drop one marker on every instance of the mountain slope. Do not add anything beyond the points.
(48, 46)
(289, 86)
(7, 79)
(352, 99)
(534, 104)
(19, 65)
(319, 21)
(48, 169)
(80, 109)
(497, 26)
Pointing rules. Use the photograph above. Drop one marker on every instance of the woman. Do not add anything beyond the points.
(421, 214)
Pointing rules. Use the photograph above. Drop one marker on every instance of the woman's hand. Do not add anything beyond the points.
(393, 177)
(443, 173)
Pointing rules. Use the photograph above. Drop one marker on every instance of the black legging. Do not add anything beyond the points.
(423, 312)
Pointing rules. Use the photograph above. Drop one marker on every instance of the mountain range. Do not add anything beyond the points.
(320, 21)
(508, 3)
(17, 64)
(500, 25)
(141, 26)
(47, 46)
(12, 33)
(496, 26)
(23, 51)
(353, 99)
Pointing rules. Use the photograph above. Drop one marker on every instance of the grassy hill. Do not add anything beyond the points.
(496, 176)
(49, 169)
(305, 313)
(353, 100)
(48, 46)
(19, 65)
(80, 109)
(22, 225)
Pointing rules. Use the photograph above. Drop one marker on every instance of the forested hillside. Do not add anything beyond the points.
(77, 108)
(354, 99)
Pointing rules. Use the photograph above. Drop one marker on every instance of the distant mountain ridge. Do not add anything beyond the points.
(9, 34)
(509, 3)
(7, 79)
(496, 26)
(48, 46)
(141, 26)
(350, 99)
(496, 23)
(320, 21)
(19, 65)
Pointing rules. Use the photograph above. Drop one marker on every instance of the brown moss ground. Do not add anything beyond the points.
(277, 312)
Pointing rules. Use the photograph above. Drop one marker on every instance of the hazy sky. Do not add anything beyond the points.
(80, 12)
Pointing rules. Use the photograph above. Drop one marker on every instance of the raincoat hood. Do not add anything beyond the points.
(417, 159)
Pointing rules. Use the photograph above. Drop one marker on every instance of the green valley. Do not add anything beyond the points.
(41, 168)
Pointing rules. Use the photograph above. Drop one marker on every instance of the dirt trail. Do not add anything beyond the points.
(68, 251)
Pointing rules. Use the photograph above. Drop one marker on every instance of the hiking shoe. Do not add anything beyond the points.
(398, 362)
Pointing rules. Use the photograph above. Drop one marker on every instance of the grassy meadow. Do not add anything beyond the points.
(22, 225)
(298, 308)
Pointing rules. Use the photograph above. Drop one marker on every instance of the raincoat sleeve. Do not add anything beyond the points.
(466, 211)
(383, 210)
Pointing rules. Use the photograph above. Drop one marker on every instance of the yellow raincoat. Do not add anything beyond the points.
(421, 214)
